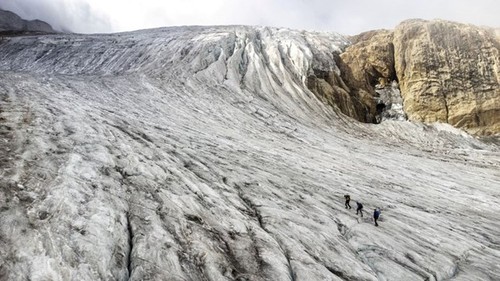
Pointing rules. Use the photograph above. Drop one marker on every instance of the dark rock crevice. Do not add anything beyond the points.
(447, 110)
(130, 239)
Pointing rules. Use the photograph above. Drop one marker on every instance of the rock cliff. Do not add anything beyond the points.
(447, 72)
(367, 62)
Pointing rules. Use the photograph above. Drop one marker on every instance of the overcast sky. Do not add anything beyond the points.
(343, 16)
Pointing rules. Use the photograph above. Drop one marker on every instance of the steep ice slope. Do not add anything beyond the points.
(198, 154)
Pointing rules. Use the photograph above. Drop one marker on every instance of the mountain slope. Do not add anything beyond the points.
(10, 23)
(199, 153)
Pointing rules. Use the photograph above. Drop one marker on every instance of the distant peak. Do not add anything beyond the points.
(11, 23)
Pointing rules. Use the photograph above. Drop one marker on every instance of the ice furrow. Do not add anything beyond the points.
(124, 161)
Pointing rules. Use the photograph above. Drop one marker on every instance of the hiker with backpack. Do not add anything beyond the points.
(347, 200)
(376, 215)
(359, 209)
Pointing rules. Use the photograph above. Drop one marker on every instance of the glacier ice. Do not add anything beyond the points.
(197, 153)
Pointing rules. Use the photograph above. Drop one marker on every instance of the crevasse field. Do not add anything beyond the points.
(198, 153)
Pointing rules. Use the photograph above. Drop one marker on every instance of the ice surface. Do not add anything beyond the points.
(197, 153)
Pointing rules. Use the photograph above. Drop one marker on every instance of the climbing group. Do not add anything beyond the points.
(359, 208)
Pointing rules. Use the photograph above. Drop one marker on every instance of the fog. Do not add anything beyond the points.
(347, 17)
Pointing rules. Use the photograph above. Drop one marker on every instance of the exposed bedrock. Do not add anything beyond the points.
(447, 72)
(331, 89)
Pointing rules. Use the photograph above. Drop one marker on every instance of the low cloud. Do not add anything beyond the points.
(63, 15)
(348, 17)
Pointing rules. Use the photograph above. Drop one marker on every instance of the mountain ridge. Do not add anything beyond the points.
(11, 23)
(470, 103)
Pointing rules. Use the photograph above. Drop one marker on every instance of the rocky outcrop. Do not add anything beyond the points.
(11, 23)
(370, 60)
(332, 88)
(367, 62)
(447, 72)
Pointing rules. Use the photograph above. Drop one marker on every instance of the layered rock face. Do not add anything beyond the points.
(360, 66)
(448, 72)
(326, 79)
(11, 23)
(370, 60)
(332, 89)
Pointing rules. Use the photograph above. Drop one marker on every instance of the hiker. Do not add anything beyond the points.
(347, 200)
(359, 209)
(376, 214)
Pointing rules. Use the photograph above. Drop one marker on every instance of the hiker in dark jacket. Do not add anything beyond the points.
(359, 209)
(376, 214)
(347, 200)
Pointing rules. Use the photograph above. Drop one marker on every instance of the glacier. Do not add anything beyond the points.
(198, 153)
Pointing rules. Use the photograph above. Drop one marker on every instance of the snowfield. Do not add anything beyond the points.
(198, 153)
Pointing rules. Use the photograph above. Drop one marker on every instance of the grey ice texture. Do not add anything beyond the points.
(198, 153)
